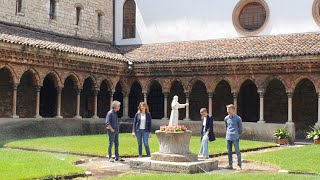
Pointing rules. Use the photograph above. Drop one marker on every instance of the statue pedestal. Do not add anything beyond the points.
(174, 156)
(174, 147)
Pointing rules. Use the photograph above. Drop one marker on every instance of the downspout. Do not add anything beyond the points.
(114, 21)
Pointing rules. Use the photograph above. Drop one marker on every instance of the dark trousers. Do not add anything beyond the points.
(237, 149)
(143, 135)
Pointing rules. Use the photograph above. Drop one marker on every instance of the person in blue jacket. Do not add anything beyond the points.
(207, 133)
(142, 127)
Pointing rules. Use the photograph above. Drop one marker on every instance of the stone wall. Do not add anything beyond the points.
(35, 14)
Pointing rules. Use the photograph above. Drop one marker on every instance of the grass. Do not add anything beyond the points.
(300, 159)
(17, 164)
(97, 144)
(218, 177)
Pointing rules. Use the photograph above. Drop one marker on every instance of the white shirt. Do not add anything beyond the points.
(204, 121)
(143, 121)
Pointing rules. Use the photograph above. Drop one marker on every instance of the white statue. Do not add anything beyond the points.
(175, 105)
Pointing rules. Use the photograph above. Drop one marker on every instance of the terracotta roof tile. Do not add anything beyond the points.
(240, 48)
(23, 36)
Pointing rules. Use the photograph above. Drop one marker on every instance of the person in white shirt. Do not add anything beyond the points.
(142, 127)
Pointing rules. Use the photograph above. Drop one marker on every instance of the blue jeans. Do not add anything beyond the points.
(204, 149)
(113, 139)
(143, 134)
(237, 149)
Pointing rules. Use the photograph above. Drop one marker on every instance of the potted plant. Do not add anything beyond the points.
(314, 134)
(282, 134)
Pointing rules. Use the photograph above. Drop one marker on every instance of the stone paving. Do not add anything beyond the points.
(102, 168)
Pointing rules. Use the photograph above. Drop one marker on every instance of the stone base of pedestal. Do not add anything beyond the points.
(175, 167)
(174, 157)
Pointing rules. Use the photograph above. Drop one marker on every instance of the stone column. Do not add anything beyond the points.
(165, 106)
(14, 101)
(111, 98)
(95, 107)
(145, 95)
(59, 91)
(210, 103)
(235, 101)
(261, 95)
(318, 123)
(126, 106)
(38, 89)
(290, 107)
(187, 107)
(78, 105)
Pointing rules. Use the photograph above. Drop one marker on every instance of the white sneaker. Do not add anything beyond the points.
(111, 160)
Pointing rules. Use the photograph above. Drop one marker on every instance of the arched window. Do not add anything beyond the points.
(19, 6)
(129, 19)
(52, 12)
(100, 15)
(78, 14)
(316, 11)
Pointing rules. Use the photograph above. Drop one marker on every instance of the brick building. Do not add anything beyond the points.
(67, 59)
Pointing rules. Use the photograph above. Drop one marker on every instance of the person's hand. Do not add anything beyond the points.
(205, 137)
(187, 104)
(150, 135)
(133, 134)
(112, 130)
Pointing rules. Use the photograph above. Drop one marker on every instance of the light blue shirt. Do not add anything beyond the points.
(233, 127)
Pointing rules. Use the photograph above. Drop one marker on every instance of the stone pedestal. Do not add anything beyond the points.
(174, 156)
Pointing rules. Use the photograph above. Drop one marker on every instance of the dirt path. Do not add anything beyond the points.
(101, 168)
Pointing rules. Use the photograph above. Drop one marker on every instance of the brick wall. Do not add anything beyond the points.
(35, 13)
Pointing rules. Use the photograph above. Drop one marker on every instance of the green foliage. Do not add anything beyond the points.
(282, 133)
(314, 134)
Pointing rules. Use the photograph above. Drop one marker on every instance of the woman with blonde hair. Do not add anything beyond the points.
(142, 127)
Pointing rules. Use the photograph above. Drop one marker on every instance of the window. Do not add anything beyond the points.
(250, 16)
(129, 19)
(19, 6)
(78, 14)
(316, 11)
(52, 12)
(99, 23)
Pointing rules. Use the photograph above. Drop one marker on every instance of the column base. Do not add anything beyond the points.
(14, 116)
(95, 117)
(165, 118)
(59, 117)
(317, 125)
(186, 119)
(38, 116)
(77, 117)
(261, 122)
(125, 117)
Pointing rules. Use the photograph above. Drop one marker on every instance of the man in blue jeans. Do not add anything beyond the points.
(234, 129)
(112, 125)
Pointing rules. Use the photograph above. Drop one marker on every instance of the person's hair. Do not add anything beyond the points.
(203, 110)
(231, 106)
(115, 103)
(143, 104)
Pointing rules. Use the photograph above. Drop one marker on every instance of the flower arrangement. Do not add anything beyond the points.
(178, 128)
(282, 133)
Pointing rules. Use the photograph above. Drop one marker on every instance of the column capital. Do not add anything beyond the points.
(235, 94)
(261, 93)
(59, 89)
(15, 86)
(187, 94)
(166, 94)
(210, 94)
(290, 94)
(95, 92)
(38, 88)
(78, 91)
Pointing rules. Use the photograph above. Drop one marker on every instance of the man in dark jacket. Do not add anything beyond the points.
(207, 133)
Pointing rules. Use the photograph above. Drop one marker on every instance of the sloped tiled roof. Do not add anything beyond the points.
(44, 40)
(239, 48)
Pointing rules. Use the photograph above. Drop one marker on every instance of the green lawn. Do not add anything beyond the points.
(17, 164)
(97, 144)
(300, 159)
(235, 176)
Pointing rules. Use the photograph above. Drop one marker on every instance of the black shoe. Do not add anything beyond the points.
(228, 167)
(120, 159)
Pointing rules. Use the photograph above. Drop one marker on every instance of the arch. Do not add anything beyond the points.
(93, 79)
(75, 79)
(275, 102)
(124, 86)
(118, 95)
(99, 11)
(104, 98)
(304, 106)
(198, 99)
(35, 77)
(297, 80)
(155, 99)
(267, 81)
(108, 83)
(171, 83)
(56, 78)
(249, 101)
(195, 80)
(133, 82)
(6, 82)
(242, 80)
(87, 97)
(129, 19)
(12, 73)
(222, 96)
(48, 95)
(79, 5)
(150, 83)
(218, 80)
